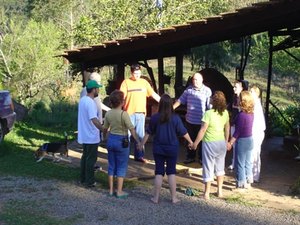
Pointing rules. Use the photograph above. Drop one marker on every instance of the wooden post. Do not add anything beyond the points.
(178, 75)
(269, 79)
(161, 85)
(120, 74)
(82, 75)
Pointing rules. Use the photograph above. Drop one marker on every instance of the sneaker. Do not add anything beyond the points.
(80, 183)
(247, 186)
(230, 167)
(122, 196)
(92, 185)
(97, 168)
(142, 160)
(188, 161)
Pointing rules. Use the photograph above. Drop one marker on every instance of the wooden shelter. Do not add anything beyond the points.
(278, 17)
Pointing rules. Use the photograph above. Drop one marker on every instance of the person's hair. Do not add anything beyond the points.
(246, 102)
(116, 98)
(256, 90)
(89, 90)
(165, 108)
(245, 84)
(219, 102)
(135, 67)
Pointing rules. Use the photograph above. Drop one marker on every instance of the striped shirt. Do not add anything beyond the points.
(197, 102)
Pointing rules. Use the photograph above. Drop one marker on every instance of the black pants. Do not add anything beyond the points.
(193, 130)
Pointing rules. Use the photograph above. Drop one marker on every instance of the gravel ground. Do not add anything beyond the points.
(84, 206)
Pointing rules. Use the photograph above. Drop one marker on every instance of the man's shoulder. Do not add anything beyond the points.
(86, 100)
(206, 88)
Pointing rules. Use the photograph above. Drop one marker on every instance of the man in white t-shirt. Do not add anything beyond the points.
(88, 133)
(100, 106)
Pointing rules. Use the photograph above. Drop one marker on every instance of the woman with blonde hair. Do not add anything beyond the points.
(258, 131)
(214, 132)
(242, 137)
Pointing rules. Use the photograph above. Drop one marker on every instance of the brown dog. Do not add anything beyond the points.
(55, 150)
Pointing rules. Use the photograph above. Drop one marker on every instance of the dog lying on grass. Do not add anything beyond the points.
(58, 151)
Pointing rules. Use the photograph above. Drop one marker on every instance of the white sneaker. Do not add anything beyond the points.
(230, 167)
(247, 186)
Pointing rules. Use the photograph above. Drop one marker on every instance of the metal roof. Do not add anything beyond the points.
(270, 16)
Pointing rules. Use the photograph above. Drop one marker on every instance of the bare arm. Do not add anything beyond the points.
(105, 130)
(176, 104)
(156, 96)
(97, 123)
(134, 135)
(188, 138)
(104, 107)
(200, 134)
(145, 139)
(227, 129)
(230, 143)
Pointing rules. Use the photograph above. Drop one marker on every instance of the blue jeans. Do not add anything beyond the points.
(243, 167)
(117, 156)
(138, 121)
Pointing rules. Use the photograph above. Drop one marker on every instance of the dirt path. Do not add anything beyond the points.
(279, 172)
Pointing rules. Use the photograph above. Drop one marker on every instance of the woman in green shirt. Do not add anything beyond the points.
(214, 134)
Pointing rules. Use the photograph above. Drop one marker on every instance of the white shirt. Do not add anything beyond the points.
(88, 133)
(97, 100)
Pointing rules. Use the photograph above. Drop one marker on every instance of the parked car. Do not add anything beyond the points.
(7, 114)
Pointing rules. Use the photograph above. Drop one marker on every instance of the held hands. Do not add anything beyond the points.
(229, 146)
(140, 146)
(192, 146)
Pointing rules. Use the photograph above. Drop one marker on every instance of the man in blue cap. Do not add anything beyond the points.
(88, 133)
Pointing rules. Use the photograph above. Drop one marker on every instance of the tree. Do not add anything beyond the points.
(30, 48)
(120, 18)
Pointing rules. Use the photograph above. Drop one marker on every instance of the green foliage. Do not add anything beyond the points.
(30, 49)
(295, 188)
(239, 199)
(116, 19)
(221, 55)
(282, 62)
(57, 114)
(279, 126)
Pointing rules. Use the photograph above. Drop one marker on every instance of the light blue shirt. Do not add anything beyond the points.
(197, 102)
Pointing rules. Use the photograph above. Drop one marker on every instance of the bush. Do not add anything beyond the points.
(279, 127)
(60, 114)
(295, 188)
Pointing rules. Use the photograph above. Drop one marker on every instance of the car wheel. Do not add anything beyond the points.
(1, 132)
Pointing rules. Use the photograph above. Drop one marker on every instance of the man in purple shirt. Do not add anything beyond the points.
(196, 97)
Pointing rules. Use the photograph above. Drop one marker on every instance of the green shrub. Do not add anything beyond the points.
(278, 125)
(60, 114)
(295, 188)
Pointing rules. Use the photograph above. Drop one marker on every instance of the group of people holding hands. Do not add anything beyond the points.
(206, 128)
